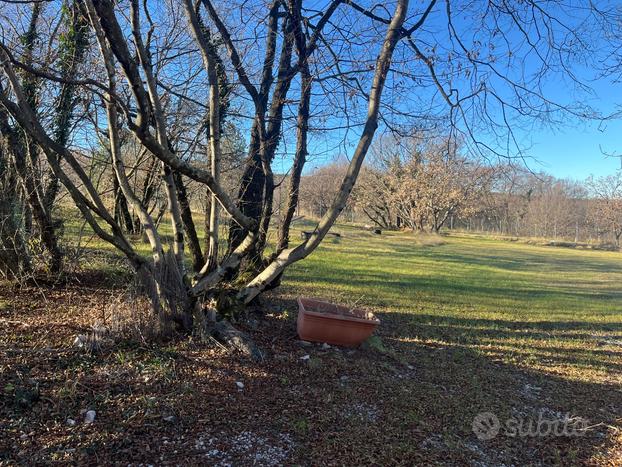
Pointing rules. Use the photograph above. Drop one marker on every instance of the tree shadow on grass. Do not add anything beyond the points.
(529, 260)
(512, 327)
(437, 378)
(569, 343)
(413, 404)
(416, 402)
(488, 258)
(454, 382)
(485, 292)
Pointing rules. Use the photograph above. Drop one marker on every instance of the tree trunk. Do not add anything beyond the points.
(24, 152)
(301, 137)
(32, 194)
(190, 230)
(174, 210)
(15, 260)
(250, 194)
(72, 54)
(121, 210)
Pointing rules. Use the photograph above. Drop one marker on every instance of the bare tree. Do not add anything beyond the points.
(607, 208)
(319, 188)
(40, 187)
(374, 196)
(424, 186)
(289, 72)
(133, 91)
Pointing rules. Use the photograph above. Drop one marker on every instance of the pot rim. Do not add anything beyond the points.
(336, 316)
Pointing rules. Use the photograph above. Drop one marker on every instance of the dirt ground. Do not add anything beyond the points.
(189, 402)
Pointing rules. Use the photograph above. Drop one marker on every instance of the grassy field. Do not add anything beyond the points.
(469, 326)
(551, 308)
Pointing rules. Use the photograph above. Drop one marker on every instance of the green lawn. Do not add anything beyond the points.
(556, 309)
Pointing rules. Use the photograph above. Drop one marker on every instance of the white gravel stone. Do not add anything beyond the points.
(89, 417)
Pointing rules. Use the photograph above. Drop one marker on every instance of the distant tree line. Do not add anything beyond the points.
(430, 186)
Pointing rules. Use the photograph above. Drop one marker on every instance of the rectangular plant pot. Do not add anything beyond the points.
(320, 321)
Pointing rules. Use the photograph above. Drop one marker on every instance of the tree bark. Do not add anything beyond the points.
(300, 157)
(15, 260)
(194, 245)
(139, 125)
(210, 62)
(72, 54)
(32, 194)
(121, 210)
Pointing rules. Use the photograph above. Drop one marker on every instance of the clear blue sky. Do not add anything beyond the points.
(572, 149)
(576, 151)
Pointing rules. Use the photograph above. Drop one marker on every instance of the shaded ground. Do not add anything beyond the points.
(526, 333)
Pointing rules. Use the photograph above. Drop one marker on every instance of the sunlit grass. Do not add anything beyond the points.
(555, 309)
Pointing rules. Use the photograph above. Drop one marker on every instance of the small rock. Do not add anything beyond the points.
(343, 378)
(239, 384)
(80, 341)
(170, 419)
(325, 346)
(410, 367)
(305, 357)
(89, 417)
(303, 343)
(70, 422)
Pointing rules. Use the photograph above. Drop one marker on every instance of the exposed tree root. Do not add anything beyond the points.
(225, 332)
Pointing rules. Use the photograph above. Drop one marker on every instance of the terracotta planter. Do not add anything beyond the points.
(320, 321)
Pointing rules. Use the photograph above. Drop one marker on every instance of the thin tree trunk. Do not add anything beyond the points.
(72, 54)
(121, 210)
(301, 138)
(32, 194)
(115, 147)
(25, 156)
(15, 260)
(162, 139)
(257, 189)
(209, 63)
(174, 211)
(186, 216)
